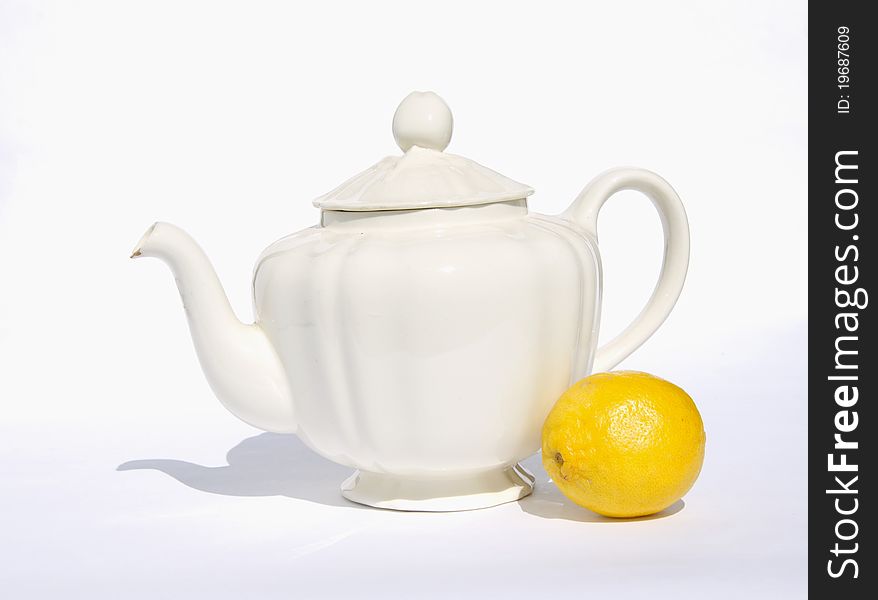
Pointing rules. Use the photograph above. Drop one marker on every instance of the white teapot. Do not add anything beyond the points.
(422, 331)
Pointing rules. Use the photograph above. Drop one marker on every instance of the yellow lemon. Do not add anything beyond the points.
(624, 444)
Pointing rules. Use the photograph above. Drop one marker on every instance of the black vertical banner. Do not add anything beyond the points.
(842, 357)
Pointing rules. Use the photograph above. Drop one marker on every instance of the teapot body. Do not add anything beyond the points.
(430, 344)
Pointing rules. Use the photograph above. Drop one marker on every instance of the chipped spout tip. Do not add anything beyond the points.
(138, 249)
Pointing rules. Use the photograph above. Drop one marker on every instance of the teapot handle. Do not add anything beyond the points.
(584, 212)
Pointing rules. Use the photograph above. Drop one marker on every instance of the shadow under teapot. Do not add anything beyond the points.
(268, 464)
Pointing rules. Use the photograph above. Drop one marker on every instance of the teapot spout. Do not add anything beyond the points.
(238, 359)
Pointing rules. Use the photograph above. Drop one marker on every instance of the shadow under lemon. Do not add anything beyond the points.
(548, 502)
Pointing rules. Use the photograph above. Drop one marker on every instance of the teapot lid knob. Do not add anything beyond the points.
(422, 119)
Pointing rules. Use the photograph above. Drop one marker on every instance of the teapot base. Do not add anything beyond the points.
(482, 490)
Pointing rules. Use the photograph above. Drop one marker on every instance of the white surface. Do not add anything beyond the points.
(113, 115)
(209, 508)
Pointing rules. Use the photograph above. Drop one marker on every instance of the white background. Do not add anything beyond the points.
(228, 119)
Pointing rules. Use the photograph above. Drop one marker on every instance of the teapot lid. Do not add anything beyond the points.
(424, 176)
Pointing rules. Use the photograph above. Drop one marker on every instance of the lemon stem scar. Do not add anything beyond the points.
(559, 459)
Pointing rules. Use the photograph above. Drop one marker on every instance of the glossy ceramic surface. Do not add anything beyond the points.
(422, 346)
(431, 343)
